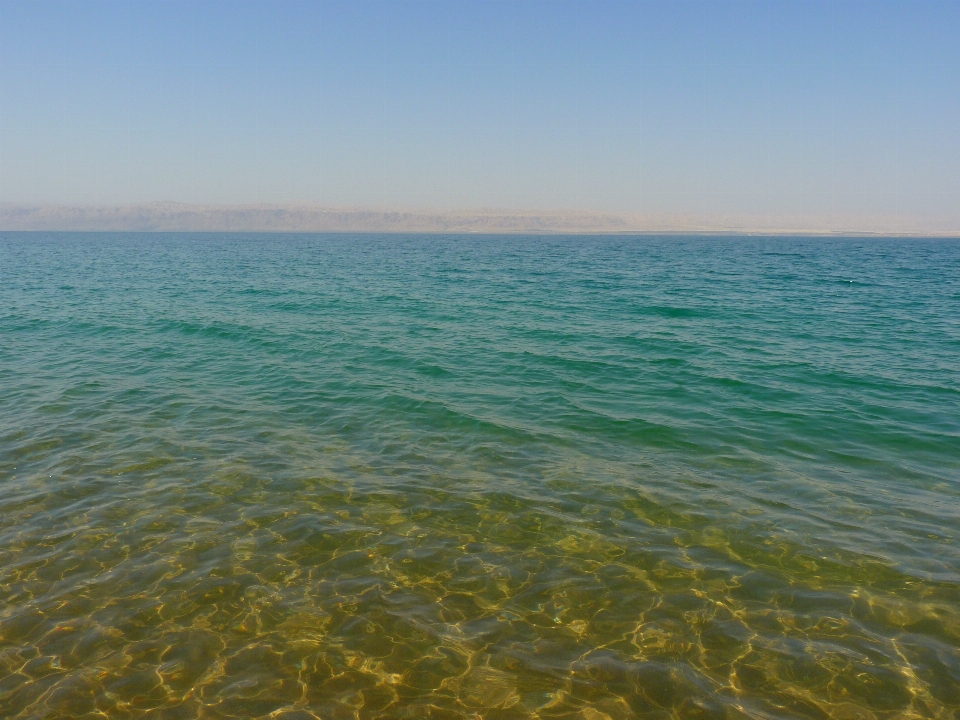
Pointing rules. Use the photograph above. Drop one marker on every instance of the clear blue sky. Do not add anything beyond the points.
(670, 107)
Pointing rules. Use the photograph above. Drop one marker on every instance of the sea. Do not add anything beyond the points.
(364, 477)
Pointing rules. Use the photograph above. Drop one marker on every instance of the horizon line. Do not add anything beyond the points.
(172, 216)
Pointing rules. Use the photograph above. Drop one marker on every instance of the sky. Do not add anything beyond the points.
(772, 108)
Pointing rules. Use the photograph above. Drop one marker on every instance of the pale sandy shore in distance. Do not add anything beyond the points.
(183, 217)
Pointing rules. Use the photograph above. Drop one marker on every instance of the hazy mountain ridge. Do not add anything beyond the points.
(307, 218)
(184, 217)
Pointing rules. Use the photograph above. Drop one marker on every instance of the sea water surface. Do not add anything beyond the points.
(600, 478)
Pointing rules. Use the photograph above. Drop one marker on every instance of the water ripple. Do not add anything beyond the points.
(478, 477)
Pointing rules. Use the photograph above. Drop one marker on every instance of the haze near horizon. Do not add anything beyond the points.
(789, 115)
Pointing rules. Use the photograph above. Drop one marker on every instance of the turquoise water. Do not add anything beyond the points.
(479, 477)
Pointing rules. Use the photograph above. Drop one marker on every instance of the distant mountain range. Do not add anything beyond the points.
(182, 217)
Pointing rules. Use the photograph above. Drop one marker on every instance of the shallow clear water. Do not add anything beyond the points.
(464, 477)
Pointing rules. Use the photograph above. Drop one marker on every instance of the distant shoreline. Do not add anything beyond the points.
(292, 218)
(839, 235)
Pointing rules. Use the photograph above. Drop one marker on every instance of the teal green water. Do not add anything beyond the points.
(297, 476)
